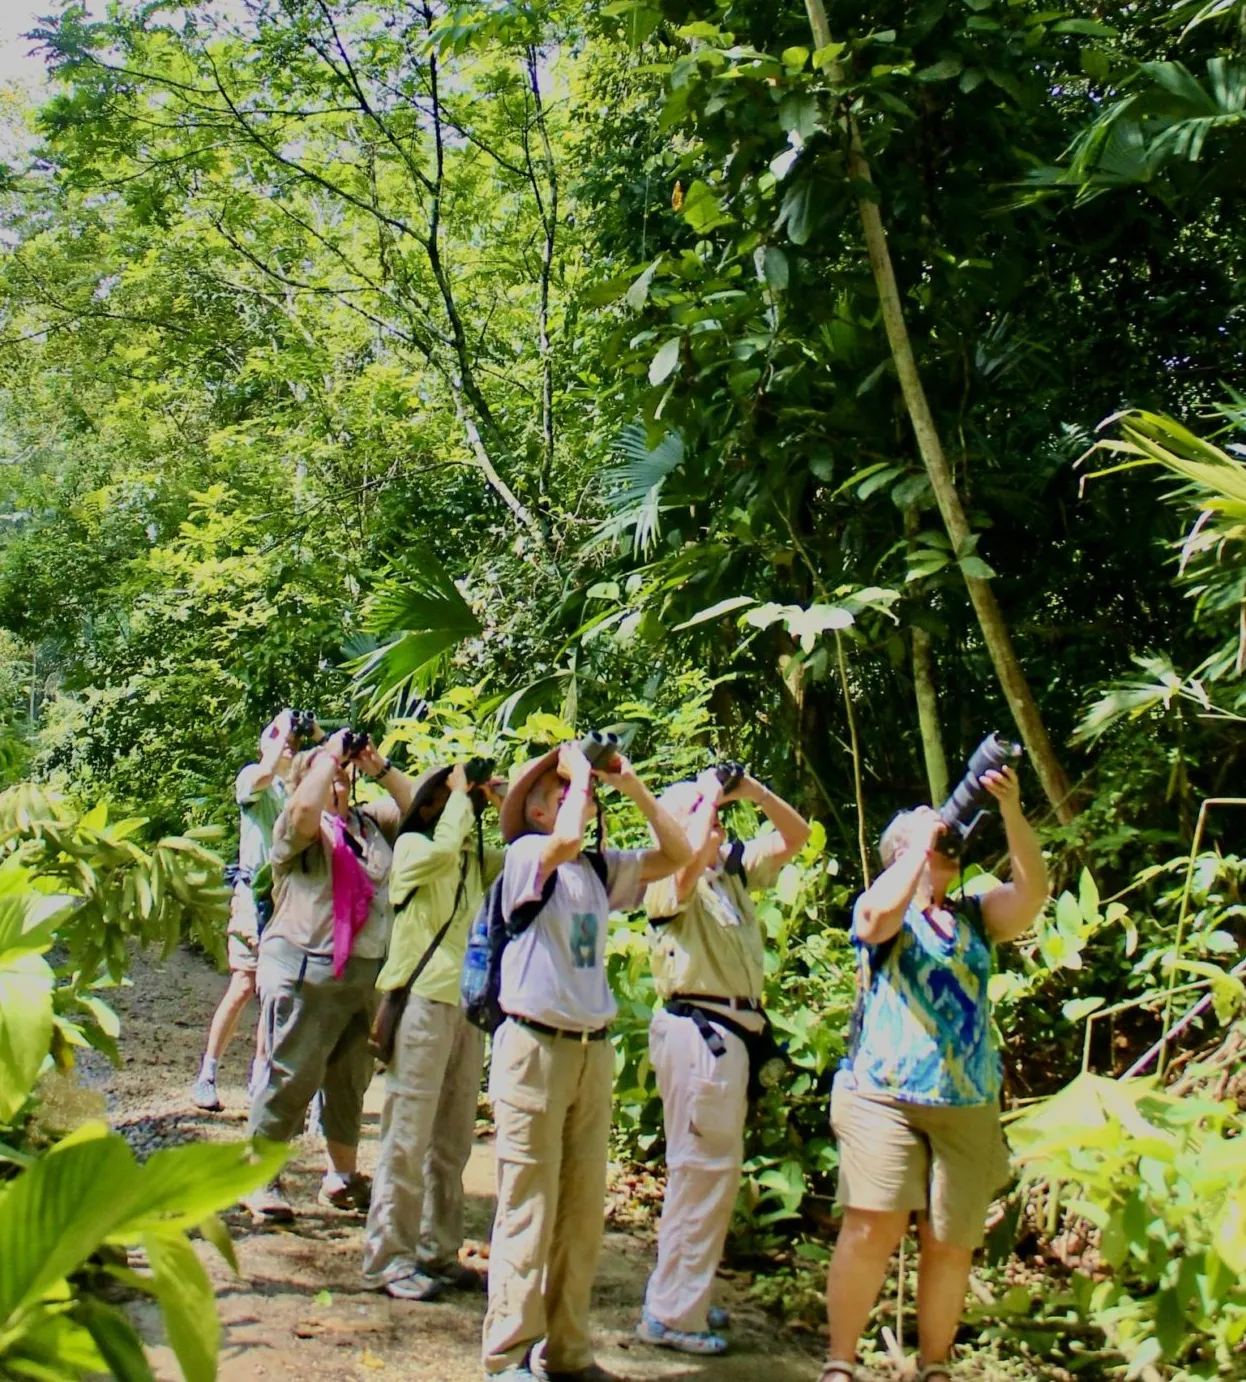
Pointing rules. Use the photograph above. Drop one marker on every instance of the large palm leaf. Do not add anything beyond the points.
(633, 488)
(1165, 121)
(418, 617)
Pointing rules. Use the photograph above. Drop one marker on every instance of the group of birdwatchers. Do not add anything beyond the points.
(374, 909)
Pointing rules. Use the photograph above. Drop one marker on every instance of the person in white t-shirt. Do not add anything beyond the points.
(552, 1071)
(260, 791)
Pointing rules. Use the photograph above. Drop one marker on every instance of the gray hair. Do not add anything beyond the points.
(893, 838)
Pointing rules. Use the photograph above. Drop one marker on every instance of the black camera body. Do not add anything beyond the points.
(964, 809)
(600, 747)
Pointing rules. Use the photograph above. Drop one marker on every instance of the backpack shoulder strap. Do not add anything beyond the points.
(597, 861)
(527, 912)
(735, 861)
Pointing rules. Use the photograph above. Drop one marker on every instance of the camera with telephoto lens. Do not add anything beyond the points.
(601, 748)
(963, 811)
(302, 725)
(354, 742)
(730, 775)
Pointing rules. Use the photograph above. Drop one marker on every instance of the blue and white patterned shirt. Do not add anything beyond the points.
(925, 1035)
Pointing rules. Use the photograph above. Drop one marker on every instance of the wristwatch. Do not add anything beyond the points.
(376, 777)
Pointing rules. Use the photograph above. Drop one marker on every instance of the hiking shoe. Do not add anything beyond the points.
(460, 1278)
(204, 1096)
(593, 1373)
(268, 1205)
(651, 1331)
(352, 1193)
(717, 1318)
(414, 1286)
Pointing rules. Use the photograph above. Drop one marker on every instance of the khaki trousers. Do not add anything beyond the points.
(704, 1105)
(431, 1086)
(551, 1100)
(316, 1029)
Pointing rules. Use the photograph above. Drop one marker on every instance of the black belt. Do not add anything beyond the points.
(546, 1030)
(748, 1005)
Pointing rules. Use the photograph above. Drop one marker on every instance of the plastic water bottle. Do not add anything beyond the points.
(476, 959)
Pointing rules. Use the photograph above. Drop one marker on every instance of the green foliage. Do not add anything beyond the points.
(87, 1192)
(107, 891)
(1163, 1181)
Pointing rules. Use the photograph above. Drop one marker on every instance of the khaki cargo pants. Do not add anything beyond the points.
(431, 1084)
(551, 1102)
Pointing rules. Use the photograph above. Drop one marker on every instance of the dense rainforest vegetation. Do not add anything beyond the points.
(817, 385)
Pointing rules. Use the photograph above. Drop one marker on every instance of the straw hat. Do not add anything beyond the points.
(524, 776)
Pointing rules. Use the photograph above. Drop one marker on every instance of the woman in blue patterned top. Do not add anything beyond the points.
(915, 1107)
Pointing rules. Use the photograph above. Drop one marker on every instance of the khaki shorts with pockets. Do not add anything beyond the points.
(944, 1162)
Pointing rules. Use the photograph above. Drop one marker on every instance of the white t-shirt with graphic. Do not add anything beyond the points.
(555, 972)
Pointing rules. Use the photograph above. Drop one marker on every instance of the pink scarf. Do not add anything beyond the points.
(352, 895)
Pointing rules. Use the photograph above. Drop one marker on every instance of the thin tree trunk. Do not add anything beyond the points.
(863, 844)
(926, 692)
(481, 455)
(548, 210)
(995, 633)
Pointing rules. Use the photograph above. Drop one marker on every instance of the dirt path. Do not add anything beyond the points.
(297, 1309)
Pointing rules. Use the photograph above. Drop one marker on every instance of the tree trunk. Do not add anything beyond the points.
(995, 633)
(926, 692)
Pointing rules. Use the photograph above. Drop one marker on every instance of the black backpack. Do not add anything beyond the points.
(488, 938)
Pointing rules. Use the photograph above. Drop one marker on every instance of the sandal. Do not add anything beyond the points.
(927, 1371)
(653, 1331)
(838, 1367)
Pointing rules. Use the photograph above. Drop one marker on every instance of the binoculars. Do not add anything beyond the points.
(479, 770)
(354, 742)
(963, 811)
(302, 725)
(601, 748)
(730, 775)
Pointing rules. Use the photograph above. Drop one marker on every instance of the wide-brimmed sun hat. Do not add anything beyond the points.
(523, 777)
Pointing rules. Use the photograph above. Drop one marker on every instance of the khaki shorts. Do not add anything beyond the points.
(894, 1156)
(243, 937)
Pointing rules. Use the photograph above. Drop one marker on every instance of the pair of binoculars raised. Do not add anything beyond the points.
(601, 748)
(302, 725)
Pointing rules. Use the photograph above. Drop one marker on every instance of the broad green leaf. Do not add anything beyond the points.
(26, 984)
(665, 362)
(774, 267)
(187, 1302)
(638, 294)
(977, 568)
(702, 209)
(944, 70)
(181, 1186)
(715, 611)
(796, 212)
(1077, 1009)
(54, 1215)
(115, 1337)
(1088, 897)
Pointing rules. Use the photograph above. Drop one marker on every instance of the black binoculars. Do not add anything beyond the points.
(354, 742)
(963, 811)
(601, 748)
(479, 770)
(302, 725)
(730, 775)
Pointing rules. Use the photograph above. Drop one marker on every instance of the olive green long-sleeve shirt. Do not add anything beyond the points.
(425, 877)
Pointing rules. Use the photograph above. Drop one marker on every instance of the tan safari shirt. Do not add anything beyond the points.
(303, 881)
(714, 943)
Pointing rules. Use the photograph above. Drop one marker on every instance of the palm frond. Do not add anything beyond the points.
(1159, 685)
(633, 488)
(416, 617)
(1166, 120)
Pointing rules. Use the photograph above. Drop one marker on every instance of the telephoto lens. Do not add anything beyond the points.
(730, 775)
(601, 748)
(963, 810)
